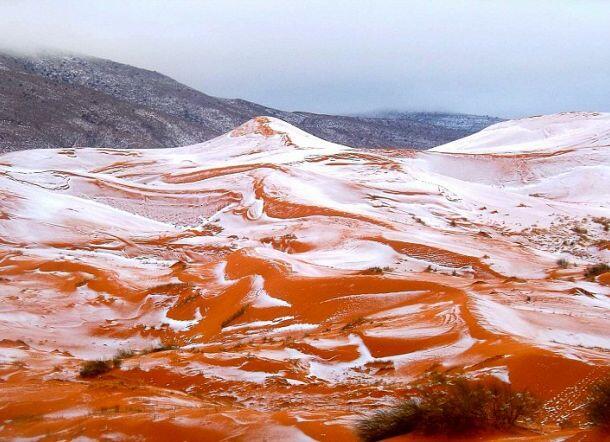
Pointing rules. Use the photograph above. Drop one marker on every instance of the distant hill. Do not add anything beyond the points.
(466, 122)
(50, 101)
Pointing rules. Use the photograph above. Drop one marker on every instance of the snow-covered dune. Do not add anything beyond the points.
(546, 133)
(271, 270)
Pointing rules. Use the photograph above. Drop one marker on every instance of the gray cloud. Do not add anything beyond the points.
(506, 58)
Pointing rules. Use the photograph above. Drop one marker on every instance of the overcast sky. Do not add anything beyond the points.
(506, 58)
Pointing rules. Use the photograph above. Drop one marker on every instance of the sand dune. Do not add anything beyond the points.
(299, 283)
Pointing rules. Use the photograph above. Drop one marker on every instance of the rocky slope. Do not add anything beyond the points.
(65, 101)
(269, 285)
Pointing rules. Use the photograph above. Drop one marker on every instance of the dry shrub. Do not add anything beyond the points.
(92, 369)
(123, 354)
(580, 230)
(159, 348)
(603, 221)
(401, 419)
(450, 406)
(598, 410)
(596, 270)
(234, 316)
(376, 270)
(354, 323)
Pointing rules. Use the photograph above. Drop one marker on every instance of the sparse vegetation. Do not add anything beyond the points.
(598, 410)
(596, 270)
(603, 221)
(234, 316)
(126, 354)
(123, 354)
(92, 369)
(563, 263)
(450, 405)
(353, 323)
(376, 270)
(162, 347)
(419, 220)
(580, 230)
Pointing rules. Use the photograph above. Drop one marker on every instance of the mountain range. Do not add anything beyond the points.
(59, 100)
